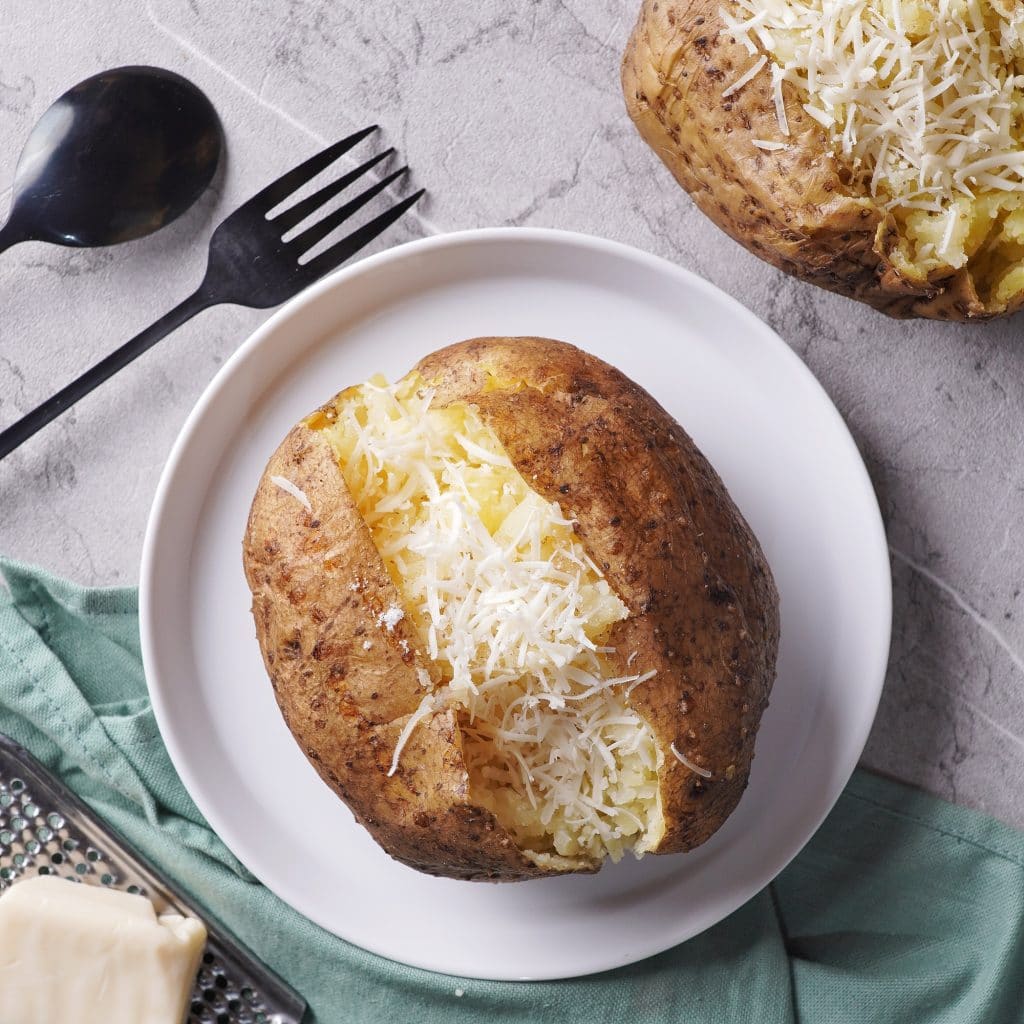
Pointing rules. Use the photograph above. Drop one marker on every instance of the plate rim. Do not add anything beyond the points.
(513, 235)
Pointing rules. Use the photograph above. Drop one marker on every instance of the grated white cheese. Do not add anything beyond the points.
(922, 98)
(685, 761)
(780, 104)
(512, 611)
(750, 73)
(947, 236)
(289, 488)
(390, 618)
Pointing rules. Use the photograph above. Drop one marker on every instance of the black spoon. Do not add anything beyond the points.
(116, 157)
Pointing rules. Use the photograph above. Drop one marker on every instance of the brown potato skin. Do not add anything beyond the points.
(346, 705)
(790, 207)
(651, 512)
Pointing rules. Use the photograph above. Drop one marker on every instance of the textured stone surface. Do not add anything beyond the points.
(510, 114)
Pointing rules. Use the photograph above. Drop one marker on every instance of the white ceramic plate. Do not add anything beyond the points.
(757, 413)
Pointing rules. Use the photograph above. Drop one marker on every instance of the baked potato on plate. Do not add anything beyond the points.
(872, 147)
(745, 399)
(511, 614)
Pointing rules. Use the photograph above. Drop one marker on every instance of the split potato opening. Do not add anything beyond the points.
(513, 619)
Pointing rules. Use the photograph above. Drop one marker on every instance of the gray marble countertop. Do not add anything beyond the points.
(509, 114)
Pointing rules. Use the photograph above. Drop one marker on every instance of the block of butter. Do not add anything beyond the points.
(78, 953)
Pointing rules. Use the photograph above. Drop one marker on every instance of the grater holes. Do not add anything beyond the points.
(38, 841)
(219, 1000)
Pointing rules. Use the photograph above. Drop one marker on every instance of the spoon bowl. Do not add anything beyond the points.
(118, 156)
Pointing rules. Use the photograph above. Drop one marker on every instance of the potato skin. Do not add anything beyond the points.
(790, 207)
(345, 703)
(651, 512)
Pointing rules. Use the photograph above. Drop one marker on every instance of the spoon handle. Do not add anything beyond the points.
(24, 428)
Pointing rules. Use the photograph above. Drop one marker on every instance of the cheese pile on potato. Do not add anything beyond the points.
(924, 106)
(513, 614)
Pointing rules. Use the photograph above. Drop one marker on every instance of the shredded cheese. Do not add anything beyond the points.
(289, 488)
(923, 99)
(687, 763)
(390, 618)
(513, 613)
(780, 105)
(749, 74)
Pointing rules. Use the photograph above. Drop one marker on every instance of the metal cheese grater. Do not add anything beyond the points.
(45, 829)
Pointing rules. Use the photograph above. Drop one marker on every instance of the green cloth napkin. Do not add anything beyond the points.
(901, 909)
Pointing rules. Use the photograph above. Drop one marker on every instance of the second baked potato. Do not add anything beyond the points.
(872, 147)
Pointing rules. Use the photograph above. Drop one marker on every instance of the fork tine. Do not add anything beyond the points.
(277, 191)
(351, 244)
(305, 241)
(300, 211)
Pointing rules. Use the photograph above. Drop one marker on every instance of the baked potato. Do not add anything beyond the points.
(511, 614)
(872, 148)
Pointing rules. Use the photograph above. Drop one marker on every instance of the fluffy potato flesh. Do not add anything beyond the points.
(512, 614)
(923, 107)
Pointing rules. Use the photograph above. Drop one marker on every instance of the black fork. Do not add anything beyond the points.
(249, 264)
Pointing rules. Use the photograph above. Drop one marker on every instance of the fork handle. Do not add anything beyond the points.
(24, 428)
(11, 234)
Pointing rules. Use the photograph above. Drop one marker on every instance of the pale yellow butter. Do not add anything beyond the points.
(74, 952)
